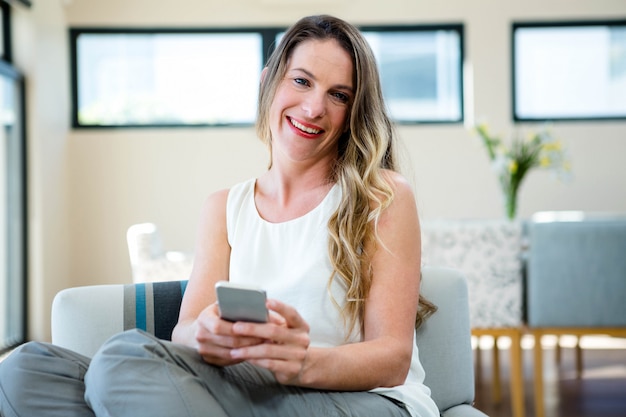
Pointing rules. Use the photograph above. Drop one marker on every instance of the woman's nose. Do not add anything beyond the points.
(314, 104)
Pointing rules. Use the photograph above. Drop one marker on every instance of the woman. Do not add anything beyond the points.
(330, 231)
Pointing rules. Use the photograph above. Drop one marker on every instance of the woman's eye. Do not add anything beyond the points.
(301, 81)
(341, 97)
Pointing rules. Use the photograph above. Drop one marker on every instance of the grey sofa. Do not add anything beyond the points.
(84, 317)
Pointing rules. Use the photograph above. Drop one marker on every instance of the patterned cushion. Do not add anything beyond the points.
(153, 307)
(489, 253)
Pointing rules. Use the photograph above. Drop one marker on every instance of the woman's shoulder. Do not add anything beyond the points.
(398, 182)
(218, 200)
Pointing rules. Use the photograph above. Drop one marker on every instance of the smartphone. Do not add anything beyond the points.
(241, 302)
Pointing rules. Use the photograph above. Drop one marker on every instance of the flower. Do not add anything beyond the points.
(539, 150)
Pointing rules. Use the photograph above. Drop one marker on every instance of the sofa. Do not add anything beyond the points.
(84, 317)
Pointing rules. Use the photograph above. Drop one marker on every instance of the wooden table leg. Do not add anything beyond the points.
(496, 383)
(517, 375)
(579, 359)
(538, 374)
(479, 360)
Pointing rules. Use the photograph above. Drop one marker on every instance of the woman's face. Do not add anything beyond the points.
(312, 103)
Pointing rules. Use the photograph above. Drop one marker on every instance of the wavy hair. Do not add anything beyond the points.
(366, 149)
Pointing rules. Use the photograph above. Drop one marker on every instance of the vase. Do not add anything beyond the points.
(510, 202)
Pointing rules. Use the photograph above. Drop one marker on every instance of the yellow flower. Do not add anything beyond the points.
(553, 146)
(545, 161)
(513, 167)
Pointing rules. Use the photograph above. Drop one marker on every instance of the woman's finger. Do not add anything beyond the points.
(215, 338)
(292, 318)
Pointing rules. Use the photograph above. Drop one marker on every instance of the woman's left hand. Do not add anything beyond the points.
(287, 340)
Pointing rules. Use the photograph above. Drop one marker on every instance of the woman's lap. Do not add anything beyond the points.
(136, 374)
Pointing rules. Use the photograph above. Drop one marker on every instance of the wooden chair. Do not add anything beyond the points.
(576, 281)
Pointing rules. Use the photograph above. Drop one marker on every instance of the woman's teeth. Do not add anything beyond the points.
(304, 128)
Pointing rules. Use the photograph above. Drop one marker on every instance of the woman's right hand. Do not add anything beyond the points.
(215, 338)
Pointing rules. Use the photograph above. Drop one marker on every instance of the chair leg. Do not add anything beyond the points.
(579, 359)
(496, 387)
(479, 360)
(538, 371)
(517, 375)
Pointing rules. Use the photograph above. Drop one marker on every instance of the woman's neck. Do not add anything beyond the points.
(280, 195)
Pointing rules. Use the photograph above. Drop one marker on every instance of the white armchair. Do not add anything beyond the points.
(84, 317)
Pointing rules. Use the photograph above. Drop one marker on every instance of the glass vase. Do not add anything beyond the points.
(510, 203)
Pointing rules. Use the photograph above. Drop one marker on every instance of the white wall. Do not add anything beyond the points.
(119, 177)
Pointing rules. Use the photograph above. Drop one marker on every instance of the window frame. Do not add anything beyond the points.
(267, 39)
(268, 36)
(554, 24)
(456, 27)
(17, 193)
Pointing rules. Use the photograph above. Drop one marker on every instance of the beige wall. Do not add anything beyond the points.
(40, 52)
(87, 187)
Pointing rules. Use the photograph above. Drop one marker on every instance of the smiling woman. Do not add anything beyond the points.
(330, 231)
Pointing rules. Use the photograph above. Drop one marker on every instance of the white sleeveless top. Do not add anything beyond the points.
(290, 261)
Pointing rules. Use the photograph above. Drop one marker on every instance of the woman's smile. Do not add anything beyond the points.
(305, 129)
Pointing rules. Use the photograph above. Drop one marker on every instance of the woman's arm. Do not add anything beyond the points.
(384, 356)
(199, 325)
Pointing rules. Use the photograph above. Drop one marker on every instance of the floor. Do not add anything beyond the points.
(599, 392)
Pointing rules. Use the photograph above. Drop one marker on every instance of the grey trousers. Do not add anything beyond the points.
(135, 374)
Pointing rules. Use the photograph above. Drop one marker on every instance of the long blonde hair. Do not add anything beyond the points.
(366, 149)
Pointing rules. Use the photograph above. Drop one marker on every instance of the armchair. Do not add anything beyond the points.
(84, 317)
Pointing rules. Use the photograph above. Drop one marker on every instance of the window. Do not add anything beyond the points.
(13, 254)
(12, 209)
(193, 77)
(165, 78)
(421, 72)
(569, 70)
